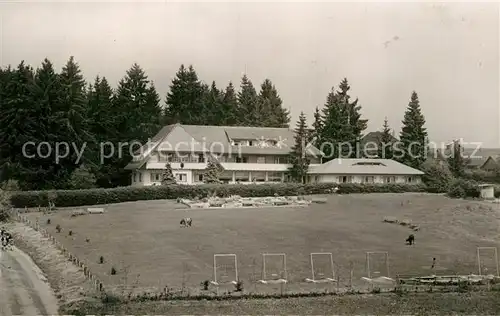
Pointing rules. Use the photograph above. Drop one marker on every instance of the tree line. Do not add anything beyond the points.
(44, 105)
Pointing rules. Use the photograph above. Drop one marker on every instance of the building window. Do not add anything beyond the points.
(369, 179)
(389, 179)
(201, 158)
(281, 160)
(345, 179)
(409, 179)
(155, 177)
(261, 159)
(181, 177)
(200, 177)
(241, 159)
(250, 143)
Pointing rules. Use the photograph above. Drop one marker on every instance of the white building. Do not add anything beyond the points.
(364, 171)
(250, 155)
(247, 154)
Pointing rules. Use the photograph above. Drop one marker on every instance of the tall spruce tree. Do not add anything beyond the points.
(343, 126)
(298, 156)
(138, 116)
(386, 142)
(413, 136)
(270, 107)
(72, 115)
(247, 103)
(103, 125)
(316, 128)
(331, 126)
(350, 116)
(230, 106)
(19, 124)
(185, 102)
(214, 106)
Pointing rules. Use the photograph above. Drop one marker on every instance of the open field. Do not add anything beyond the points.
(144, 242)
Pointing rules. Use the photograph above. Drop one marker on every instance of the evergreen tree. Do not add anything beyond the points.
(386, 142)
(214, 106)
(342, 125)
(213, 171)
(19, 124)
(72, 117)
(353, 125)
(298, 156)
(230, 107)
(330, 130)
(270, 111)
(185, 100)
(456, 160)
(316, 128)
(138, 116)
(247, 103)
(103, 123)
(413, 136)
(168, 176)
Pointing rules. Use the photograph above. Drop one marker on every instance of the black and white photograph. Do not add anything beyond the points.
(249, 157)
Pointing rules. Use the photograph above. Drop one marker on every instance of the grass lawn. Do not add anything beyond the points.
(144, 242)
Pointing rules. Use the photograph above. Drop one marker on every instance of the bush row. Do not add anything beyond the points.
(65, 198)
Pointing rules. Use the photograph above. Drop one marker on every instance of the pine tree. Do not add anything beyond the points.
(247, 103)
(386, 142)
(413, 136)
(456, 160)
(185, 100)
(214, 106)
(270, 111)
(331, 126)
(298, 156)
(72, 116)
(230, 107)
(342, 125)
(137, 117)
(19, 124)
(168, 176)
(353, 125)
(316, 128)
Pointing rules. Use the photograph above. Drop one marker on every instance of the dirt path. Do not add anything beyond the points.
(23, 288)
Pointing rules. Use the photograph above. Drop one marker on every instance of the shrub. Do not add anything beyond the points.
(438, 176)
(58, 228)
(66, 198)
(461, 188)
(101, 260)
(113, 271)
(82, 178)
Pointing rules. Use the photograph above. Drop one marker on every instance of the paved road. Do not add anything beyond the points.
(23, 289)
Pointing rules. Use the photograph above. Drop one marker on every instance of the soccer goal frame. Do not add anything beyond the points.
(328, 278)
(495, 251)
(281, 278)
(380, 279)
(219, 255)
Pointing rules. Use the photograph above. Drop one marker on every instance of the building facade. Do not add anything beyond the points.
(250, 155)
(381, 171)
(247, 154)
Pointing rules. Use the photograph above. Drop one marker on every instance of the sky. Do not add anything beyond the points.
(447, 52)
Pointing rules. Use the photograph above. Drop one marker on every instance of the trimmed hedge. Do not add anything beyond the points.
(67, 198)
